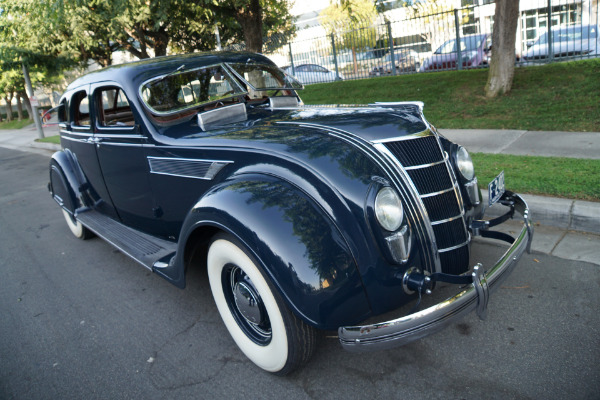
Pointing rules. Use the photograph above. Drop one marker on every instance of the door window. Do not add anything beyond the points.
(113, 108)
(81, 109)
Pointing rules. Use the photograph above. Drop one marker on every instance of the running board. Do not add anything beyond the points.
(143, 248)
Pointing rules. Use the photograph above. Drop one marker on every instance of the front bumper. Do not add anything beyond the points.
(411, 327)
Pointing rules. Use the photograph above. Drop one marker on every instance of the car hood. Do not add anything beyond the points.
(371, 123)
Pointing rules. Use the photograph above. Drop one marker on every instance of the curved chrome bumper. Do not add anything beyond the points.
(411, 327)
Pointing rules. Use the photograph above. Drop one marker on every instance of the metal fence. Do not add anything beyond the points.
(424, 38)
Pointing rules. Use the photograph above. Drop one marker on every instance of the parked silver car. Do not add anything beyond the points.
(576, 40)
(312, 73)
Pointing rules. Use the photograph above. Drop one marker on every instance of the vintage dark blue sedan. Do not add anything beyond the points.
(306, 218)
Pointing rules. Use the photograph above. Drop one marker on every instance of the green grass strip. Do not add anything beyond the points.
(563, 96)
(15, 124)
(50, 139)
(550, 176)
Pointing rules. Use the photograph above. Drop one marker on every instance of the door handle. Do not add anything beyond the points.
(95, 140)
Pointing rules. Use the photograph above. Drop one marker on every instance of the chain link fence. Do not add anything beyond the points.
(424, 38)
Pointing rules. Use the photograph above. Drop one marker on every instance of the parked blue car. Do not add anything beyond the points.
(306, 218)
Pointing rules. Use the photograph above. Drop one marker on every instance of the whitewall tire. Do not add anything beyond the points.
(254, 313)
(76, 227)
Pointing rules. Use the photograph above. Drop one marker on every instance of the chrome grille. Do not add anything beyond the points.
(427, 165)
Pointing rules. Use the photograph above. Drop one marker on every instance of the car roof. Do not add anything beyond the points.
(132, 75)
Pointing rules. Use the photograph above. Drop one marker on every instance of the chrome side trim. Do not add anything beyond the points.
(403, 330)
(186, 167)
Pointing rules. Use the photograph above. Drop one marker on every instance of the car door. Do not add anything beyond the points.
(121, 154)
(77, 138)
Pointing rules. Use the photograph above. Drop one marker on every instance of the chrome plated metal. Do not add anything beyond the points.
(399, 244)
(473, 192)
(247, 302)
(483, 290)
(229, 114)
(411, 327)
(186, 167)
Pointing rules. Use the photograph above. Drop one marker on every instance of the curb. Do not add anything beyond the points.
(569, 214)
(46, 146)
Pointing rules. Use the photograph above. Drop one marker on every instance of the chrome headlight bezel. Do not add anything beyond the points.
(388, 209)
(464, 164)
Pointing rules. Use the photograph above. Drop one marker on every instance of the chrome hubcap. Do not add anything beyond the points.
(246, 305)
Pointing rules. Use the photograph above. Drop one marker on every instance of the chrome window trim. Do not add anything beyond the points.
(237, 74)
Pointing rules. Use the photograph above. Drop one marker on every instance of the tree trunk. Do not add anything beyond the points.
(19, 107)
(250, 18)
(8, 107)
(27, 104)
(504, 36)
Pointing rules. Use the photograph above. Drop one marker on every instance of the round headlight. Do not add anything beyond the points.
(464, 163)
(388, 209)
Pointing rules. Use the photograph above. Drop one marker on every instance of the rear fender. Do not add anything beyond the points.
(65, 183)
(293, 239)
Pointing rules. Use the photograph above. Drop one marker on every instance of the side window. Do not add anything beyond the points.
(81, 109)
(113, 107)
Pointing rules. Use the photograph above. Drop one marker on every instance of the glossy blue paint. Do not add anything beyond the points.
(294, 187)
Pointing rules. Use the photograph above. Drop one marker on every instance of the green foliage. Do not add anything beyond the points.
(561, 96)
(358, 13)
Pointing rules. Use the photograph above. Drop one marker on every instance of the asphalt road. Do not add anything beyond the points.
(79, 320)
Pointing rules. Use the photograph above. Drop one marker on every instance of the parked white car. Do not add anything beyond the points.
(312, 73)
(576, 40)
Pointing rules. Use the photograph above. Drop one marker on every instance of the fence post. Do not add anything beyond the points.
(391, 43)
(292, 59)
(458, 49)
(337, 72)
(550, 52)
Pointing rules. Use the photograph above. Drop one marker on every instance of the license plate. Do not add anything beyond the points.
(496, 188)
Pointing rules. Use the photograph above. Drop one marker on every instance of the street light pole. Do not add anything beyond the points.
(34, 108)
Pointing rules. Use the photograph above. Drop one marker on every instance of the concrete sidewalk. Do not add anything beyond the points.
(567, 214)
(528, 143)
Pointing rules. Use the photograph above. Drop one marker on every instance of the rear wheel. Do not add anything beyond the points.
(254, 313)
(76, 227)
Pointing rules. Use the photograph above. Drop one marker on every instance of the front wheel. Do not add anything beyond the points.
(254, 313)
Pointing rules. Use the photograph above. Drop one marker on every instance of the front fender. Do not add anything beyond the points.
(295, 242)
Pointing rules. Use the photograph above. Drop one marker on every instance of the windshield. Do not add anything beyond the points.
(263, 79)
(181, 89)
(466, 44)
(569, 34)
